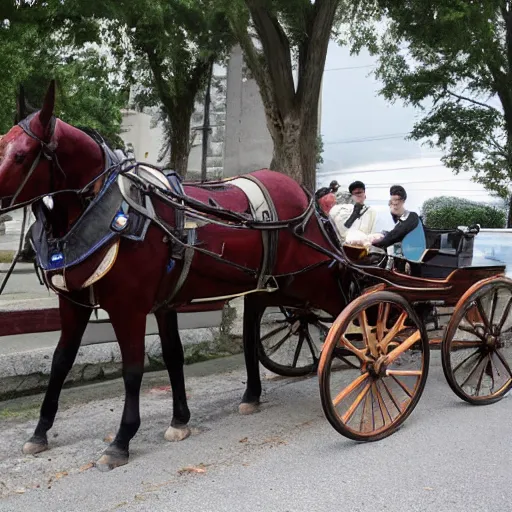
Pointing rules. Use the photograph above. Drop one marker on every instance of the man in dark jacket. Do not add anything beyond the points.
(404, 220)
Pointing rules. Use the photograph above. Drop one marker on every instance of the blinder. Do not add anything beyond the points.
(47, 151)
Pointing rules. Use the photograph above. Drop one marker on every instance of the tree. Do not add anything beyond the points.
(453, 60)
(279, 38)
(32, 54)
(173, 44)
(164, 48)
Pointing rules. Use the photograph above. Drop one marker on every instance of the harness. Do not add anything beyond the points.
(123, 208)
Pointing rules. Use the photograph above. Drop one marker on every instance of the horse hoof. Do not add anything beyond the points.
(35, 445)
(176, 434)
(112, 458)
(248, 408)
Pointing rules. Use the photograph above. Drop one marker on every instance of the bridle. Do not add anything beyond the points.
(47, 150)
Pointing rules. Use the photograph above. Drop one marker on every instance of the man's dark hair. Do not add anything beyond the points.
(355, 185)
(398, 190)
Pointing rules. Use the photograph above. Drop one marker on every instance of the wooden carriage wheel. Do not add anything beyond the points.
(291, 339)
(373, 366)
(477, 345)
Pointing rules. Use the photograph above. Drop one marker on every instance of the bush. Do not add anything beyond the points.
(449, 212)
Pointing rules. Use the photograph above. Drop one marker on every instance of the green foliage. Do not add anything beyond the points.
(319, 150)
(450, 212)
(449, 59)
(31, 54)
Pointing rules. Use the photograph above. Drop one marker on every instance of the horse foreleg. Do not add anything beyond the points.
(130, 328)
(172, 352)
(251, 398)
(73, 320)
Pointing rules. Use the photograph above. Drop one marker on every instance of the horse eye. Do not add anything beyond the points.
(19, 158)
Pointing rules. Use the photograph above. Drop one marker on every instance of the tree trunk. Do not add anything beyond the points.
(295, 146)
(180, 135)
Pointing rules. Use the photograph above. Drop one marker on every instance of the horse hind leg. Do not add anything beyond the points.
(74, 319)
(172, 352)
(251, 398)
(130, 330)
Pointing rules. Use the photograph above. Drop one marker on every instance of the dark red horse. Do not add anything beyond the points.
(159, 272)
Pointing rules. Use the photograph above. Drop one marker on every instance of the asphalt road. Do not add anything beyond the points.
(448, 456)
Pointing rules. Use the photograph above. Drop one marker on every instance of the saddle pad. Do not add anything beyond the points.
(58, 280)
(260, 208)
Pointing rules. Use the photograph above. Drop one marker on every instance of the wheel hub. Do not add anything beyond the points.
(377, 367)
(493, 342)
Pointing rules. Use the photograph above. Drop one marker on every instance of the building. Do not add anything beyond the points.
(239, 141)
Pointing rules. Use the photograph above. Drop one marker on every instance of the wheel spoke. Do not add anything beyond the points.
(274, 332)
(504, 315)
(392, 397)
(311, 346)
(297, 350)
(487, 360)
(473, 371)
(363, 413)
(462, 344)
(373, 408)
(494, 303)
(407, 391)
(382, 404)
(472, 331)
(482, 313)
(345, 392)
(459, 366)
(503, 362)
(355, 404)
(404, 373)
(400, 324)
(499, 370)
(338, 354)
(367, 336)
(279, 344)
(405, 345)
(360, 354)
(382, 320)
(379, 402)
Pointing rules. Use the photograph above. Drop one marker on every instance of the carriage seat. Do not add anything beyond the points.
(413, 245)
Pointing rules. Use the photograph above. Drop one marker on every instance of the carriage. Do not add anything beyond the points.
(129, 238)
(373, 359)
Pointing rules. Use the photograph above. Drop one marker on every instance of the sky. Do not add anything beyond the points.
(364, 138)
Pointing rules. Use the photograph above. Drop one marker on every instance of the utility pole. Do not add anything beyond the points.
(206, 122)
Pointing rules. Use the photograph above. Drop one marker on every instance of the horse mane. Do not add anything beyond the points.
(94, 134)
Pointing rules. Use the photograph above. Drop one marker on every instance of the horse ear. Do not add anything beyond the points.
(21, 107)
(49, 103)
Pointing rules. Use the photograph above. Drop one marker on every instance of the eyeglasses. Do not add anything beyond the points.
(395, 203)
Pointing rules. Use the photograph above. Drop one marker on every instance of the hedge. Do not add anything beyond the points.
(450, 212)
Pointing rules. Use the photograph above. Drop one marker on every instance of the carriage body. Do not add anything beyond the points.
(373, 359)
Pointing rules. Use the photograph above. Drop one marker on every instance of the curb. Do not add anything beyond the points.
(27, 371)
(23, 373)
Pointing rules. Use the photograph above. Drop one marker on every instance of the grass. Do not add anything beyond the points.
(6, 256)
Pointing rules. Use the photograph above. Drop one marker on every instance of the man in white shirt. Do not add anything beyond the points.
(356, 217)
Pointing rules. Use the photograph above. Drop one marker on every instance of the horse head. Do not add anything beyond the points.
(42, 154)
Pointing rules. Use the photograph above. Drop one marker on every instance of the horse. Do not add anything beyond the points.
(229, 252)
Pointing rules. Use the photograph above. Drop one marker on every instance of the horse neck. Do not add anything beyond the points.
(81, 160)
